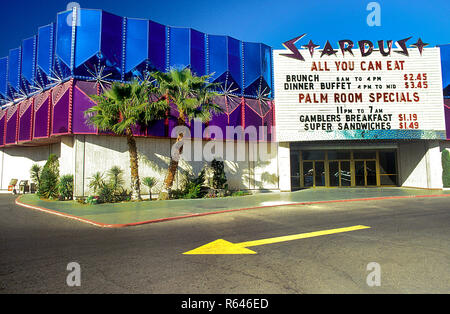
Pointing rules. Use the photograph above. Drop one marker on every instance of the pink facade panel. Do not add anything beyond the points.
(25, 133)
(42, 114)
(61, 109)
(2, 127)
(12, 115)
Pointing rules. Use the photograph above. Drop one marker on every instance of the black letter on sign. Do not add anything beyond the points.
(344, 48)
(328, 50)
(402, 44)
(381, 47)
(362, 47)
(290, 45)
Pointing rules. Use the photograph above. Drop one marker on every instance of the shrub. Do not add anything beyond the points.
(219, 179)
(446, 168)
(92, 200)
(110, 191)
(195, 187)
(121, 196)
(115, 175)
(96, 182)
(192, 192)
(106, 194)
(65, 187)
(240, 193)
(48, 187)
(176, 194)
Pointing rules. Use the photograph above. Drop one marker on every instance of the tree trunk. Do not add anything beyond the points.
(134, 166)
(173, 167)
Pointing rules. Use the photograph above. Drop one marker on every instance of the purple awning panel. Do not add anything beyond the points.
(268, 122)
(171, 122)
(81, 103)
(252, 123)
(26, 121)
(231, 115)
(259, 113)
(220, 121)
(11, 124)
(41, 115)
(139, 130)
(61, 109)
(89, 88)
(2, 127)
(234, 111)
(197, 128)
(157, 129)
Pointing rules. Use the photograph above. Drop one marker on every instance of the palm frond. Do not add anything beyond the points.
(193, 95)
(125, 106)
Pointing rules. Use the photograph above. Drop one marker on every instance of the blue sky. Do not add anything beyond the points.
(269, 21)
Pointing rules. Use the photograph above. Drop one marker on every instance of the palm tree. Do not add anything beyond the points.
(193, 96)
(120, 109)
(149, 182)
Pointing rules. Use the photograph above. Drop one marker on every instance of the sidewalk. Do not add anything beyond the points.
(131, 214)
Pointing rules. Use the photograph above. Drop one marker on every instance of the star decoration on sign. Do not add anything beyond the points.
(311, 47)
(420, 44)
(290, 45)
(328, 50)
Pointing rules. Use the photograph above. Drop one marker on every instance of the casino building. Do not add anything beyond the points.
(46, 84)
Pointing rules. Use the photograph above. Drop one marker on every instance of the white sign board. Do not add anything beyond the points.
(348, 96)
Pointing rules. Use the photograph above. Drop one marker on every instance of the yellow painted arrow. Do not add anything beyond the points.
(224, 247)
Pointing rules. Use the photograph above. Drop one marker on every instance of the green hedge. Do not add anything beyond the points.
(446, 168)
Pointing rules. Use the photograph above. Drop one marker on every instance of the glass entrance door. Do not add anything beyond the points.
(313, 173)
(343, 168)
(319, 173)
(371, 173)
(360, 175)
(339, 173)
(365, 173)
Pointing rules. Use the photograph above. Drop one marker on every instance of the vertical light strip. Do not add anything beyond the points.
(124, 43)
(72, 49)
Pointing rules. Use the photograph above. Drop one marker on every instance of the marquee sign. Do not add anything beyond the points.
(363, 93)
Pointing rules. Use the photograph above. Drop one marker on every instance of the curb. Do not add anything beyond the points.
(102, 225)
(49, 211)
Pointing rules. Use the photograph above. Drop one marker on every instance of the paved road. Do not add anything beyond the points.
(409, 239)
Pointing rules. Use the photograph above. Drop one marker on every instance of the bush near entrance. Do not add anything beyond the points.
(446, 168)
(49, 179)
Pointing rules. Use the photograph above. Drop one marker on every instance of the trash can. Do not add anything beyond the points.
(24, 187)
